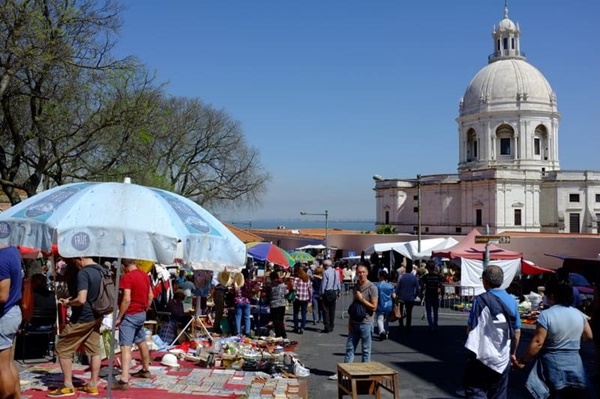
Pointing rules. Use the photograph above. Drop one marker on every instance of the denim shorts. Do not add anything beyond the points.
(9, 325)
(131, 330)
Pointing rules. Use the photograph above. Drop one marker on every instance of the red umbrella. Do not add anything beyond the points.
(265, 251)
(528, 267)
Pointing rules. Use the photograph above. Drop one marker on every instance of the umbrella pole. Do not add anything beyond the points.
(111, 356)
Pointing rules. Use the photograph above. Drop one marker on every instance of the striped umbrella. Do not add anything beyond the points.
(267, 252)
(302, 256)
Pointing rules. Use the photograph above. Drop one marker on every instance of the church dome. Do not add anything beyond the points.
(504, 82)
(507, 25)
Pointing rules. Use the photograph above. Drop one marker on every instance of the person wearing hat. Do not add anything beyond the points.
(245, 292)
(219, 292)
(168, 331)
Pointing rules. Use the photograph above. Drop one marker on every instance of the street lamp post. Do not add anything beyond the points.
(248, 223)
(326, 214)
(419, 213)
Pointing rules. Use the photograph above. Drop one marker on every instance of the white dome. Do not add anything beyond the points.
(507, 25)
(507, 82)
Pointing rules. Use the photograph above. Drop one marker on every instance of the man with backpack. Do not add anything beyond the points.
(83, 328)
(136, 298)
(361, 312)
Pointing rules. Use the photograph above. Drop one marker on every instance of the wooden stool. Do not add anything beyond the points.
(366, 378)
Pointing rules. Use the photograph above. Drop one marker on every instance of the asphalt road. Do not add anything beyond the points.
(430, 365)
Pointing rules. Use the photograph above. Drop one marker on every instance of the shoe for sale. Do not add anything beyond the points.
(61, 391)
(89, 390)
(119, 385)
(141, 373)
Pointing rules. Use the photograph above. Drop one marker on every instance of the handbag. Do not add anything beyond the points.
(27, 300)
(396, 313)
(291, 296)
(330, 295)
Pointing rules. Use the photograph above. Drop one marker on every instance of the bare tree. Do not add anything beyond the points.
(201, 153)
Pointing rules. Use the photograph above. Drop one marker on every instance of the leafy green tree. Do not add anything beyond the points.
(386, 229)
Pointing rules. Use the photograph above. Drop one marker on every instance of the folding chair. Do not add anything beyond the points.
(43, 323)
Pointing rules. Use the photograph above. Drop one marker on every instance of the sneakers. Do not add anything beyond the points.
(119, 385)
(89, 390)
(61, 391)
(333, 377)
(141, 373)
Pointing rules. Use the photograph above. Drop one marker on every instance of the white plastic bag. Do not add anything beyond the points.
(300, 370)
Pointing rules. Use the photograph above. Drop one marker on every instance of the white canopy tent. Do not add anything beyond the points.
(426, 251)
(317, 246)
(384, 247)
(409, 249)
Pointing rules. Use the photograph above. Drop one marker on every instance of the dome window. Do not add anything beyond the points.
(472, 146)
(505, 135)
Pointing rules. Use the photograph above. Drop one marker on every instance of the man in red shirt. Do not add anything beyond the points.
(135, 300)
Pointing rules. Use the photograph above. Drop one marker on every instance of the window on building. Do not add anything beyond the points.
(505, 146)
(505, 43)
(573, 197)
(426, 229)
(416, 209)
(458, 230)
(598, 222)
(512, 43)
(597, 197)
(498, 45)
(517, 217)
(478, 217)
(475, 149)
(387, 217)
(573, 223)
(537, 146)
(416, 197)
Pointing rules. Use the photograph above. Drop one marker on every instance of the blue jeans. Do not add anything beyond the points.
(481, 382)
(242, 309)
(317, 312)
(359, 332)
(300, 306)
(432, 305)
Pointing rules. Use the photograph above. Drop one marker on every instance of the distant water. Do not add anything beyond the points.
(358, 225)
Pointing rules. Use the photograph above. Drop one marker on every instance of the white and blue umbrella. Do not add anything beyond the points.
(121, 220)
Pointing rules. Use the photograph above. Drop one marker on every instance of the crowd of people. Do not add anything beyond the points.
(493, 327)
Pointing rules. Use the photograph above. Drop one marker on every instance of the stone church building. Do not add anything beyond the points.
(509, 174)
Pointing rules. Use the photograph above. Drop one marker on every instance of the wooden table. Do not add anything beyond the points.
(366, 378)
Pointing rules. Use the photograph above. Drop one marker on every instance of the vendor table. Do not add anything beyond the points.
(356, 378)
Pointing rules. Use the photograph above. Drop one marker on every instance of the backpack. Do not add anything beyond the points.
(106, 294)
(357, 311)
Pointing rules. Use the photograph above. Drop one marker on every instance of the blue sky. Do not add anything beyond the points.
(334, 92)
